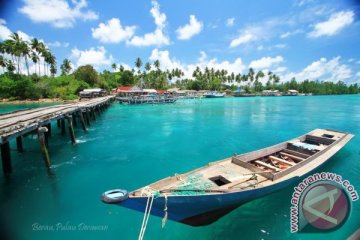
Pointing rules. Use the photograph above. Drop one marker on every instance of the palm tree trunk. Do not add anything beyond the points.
(27, 66)
(39, 64)
(18, 63)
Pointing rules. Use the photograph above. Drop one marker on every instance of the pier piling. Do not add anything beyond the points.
(74, 120)
(6, 158)
(71, 129)
(93, 114)
(62, 126)
(19, 144)
(82, 120)
(42, 141)
(48, 126)
(46, 135)
(87, 114)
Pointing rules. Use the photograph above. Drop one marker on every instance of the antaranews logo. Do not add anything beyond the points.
(321, 202)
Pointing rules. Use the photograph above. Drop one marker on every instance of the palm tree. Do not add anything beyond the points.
(157, 64)
(138, 64)
(251, 74)
(65, 67)
(121, 68)
(36, 47)
(2, 62)
(258, 75)
(276, 79)
(10, 66)
(53, 69)
(43, 51)
(51, 60)
(16, 45)
(270, 74)
(34, 58)
(114, 66)
(25, 51)
(147, 66)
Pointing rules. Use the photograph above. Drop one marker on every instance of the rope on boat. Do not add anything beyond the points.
(148, 208)
(165, 212)
(147, 191)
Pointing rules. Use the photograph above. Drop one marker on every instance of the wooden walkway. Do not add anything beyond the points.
(15, 125)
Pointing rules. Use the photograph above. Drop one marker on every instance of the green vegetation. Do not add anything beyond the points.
(42, 83)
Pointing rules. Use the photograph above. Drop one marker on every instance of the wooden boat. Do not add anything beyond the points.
(202, 196)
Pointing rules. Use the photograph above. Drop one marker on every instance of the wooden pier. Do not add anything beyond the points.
(15, 125)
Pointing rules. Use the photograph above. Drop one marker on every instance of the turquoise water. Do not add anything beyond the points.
(131, 146)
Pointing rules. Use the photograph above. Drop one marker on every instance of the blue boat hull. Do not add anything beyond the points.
(200, 210)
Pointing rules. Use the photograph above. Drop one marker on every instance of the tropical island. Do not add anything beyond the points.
(40, 78)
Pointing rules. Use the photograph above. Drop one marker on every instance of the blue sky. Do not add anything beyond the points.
(300, 38)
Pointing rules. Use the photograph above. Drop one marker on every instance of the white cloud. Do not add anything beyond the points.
(112, 31)
(333, 25)
(266, 62)
(58, 44)
(325, 70)
(242, 39)
(55, 44)
(280, 69)
(230, 22)
(25, 36)
(292, 33)
(166, 62)
(164, 58)
(351, 60)
(59, 13)
(189, 30)
(158, 37)
(155, 38)
(358, 74)
(203, 56)
(94, 56)
(4, 30)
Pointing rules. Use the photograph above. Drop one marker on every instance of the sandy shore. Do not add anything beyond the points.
(41, 100)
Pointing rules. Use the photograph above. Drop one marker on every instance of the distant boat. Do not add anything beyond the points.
(214, 94)
(242, 93)
(146, 99)
(202, 196)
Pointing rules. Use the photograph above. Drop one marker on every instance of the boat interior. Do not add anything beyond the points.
(250, 170)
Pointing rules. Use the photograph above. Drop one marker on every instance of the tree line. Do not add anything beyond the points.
(42, 82)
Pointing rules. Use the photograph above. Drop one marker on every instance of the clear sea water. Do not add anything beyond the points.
(131, 146)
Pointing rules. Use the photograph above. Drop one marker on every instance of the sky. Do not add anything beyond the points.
(305, 39)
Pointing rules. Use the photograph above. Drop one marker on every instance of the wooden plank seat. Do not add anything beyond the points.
(282, 160)
(295, 158)
(296, 153)
(267, 165)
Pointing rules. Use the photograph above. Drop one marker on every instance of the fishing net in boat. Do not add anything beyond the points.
(194, 184)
